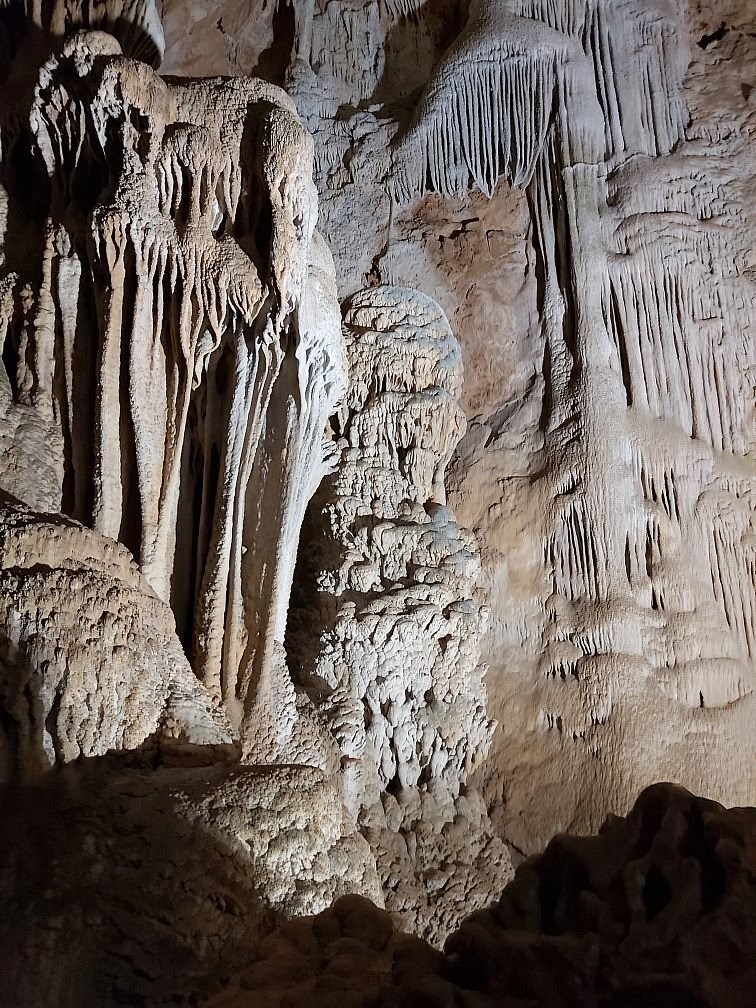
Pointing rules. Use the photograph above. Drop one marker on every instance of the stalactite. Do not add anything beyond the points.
(464, 129)
(536, 58)
(135, 23)
(648, 326)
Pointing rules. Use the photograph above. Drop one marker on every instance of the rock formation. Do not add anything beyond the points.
(597, 644)
(658, 909)
(389, 645)
(611, 424)
(89, 659)
(644, 442)
(292, 606)
(147, 886)
(172, 334)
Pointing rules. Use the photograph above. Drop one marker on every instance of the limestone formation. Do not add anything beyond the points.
(294, 607)
(606, 316)
(89, 659)
(613, 639)
(658, 909)
(125, 886)
(173, 336)
(644, 458)
(388, 646)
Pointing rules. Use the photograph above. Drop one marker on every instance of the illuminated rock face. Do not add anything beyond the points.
(290, 609)
(172, 351)
(570, 182)
(172, 337)
(89, 659)
(640, 490)
(388, 646)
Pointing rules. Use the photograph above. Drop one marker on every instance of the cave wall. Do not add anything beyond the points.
(376, 491)
(570, 182)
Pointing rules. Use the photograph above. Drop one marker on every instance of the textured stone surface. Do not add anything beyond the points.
(570, 185)
(611, 424)
(387, 641)
(615, 660)
(658, 909)
(89, 659)
(171, 333)
(146, 887)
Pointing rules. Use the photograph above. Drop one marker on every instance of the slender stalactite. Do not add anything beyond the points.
(648, 330)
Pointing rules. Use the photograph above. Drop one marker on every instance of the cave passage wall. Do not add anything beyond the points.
(376, 461)
(570, 182)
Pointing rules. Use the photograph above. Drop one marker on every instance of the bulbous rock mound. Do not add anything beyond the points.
(156, 883)
(659, 909)
(89, 658)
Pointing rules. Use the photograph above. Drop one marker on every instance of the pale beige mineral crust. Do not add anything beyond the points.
(389, 645)
(288, 610)
(89, 659)
(606, 316)
(639, 485)
(178, 349)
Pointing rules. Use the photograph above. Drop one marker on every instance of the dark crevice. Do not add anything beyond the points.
(656, 893)
(716, 36)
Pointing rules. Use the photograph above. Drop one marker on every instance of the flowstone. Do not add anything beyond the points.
(171, 335)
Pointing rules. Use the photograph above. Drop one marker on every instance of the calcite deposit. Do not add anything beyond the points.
(658, 909)
(570, 182)
(89, 659)
(377, 502)
(388, 642)
(128, 885)
(172, 334)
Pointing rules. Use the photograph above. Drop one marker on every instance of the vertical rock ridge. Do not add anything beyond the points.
(389, 645)
(182, 272)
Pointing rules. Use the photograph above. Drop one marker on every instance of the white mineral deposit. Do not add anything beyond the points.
(377, 503)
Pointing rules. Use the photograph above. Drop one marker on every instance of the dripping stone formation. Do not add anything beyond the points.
(308, 634)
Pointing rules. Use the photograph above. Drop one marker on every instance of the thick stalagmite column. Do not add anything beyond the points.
(388, 643)
(176, 327)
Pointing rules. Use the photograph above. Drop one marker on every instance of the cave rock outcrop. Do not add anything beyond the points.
(171, 335)
(387, 642)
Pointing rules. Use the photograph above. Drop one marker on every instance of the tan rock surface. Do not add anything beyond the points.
(611, 423)
(171, 334)
(658, 909)
(147, 887)
(89, 659)
(570, 184)
(387, 642)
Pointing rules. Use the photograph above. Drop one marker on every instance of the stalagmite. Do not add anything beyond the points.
(184, 339)
(389, 647)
